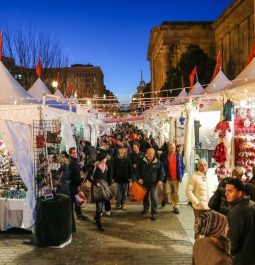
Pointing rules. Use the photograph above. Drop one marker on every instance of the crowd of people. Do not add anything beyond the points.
(224, 213)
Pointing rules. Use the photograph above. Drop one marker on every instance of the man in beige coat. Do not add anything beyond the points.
(200, 188)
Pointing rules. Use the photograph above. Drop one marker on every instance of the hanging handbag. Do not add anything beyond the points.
(52, 150)
(53, 138)
(40, 141)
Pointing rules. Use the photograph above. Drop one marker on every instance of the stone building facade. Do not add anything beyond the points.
(86, 80)
(232, 33)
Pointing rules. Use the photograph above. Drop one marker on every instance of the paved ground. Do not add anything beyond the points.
(130, 238)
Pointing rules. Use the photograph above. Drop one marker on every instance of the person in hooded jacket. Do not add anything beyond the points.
(212, 247)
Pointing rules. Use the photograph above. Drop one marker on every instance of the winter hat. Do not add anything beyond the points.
(101, 155)
(2, 145)
(211, 223)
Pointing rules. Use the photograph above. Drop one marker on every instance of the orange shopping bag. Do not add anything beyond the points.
(138, 191)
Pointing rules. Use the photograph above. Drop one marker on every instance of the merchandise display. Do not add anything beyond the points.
(47, 155)
(245, 153)
(11, 185)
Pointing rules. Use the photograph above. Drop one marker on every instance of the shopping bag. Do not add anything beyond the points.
(138, 191)
(80, 198)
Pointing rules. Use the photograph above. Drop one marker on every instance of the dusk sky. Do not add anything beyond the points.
(112, 34)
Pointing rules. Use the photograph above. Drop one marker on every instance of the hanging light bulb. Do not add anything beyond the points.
(75, 94)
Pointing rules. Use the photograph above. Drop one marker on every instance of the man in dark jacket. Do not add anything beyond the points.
(151, 174)
(241, 220)
(136, 158)
(75, 181)
(174, 169)
(121, 176)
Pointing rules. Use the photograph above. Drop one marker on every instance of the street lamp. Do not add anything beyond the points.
(55, 84)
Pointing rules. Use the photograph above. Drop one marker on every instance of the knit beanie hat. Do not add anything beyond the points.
(211, 223)
(101, 155)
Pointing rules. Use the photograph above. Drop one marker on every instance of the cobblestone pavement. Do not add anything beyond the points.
(129, 238)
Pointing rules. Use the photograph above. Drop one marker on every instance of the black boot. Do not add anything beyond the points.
(98, 222)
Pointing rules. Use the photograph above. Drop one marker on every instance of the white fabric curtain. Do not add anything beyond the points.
(189, 141)
(18, 139)
(67, 136)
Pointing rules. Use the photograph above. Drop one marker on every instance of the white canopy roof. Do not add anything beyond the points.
(197, 89)
(58, 93)
(182, 94)
(38, 89)
(246, 76)
(10, 89)
(218, 83)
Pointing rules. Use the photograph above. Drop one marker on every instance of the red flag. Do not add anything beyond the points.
(192, 76)
(1, 45)
(251, 55)
(69, 90)
(217, 66)
(38, 68)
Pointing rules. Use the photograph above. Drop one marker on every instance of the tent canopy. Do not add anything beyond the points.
(197, 89)
(11, 90)
(246, 76)
(38, 89)
(217, 84)
(58, 93)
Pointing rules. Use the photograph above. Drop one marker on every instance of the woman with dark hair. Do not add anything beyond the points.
(100, 176)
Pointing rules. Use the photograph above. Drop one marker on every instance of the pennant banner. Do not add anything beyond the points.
(251, 55)
(38, 68)
(192, 76)
(217, 66)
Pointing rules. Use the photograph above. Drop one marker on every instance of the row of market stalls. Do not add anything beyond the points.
(34, 128)
(216, 123)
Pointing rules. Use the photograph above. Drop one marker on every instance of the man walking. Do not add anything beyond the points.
(136, 157)
(151, 174)
(241, 220)
(174, 171)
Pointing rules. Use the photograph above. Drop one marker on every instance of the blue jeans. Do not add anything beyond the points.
(99, 207)
(121, 193)
(153, 193)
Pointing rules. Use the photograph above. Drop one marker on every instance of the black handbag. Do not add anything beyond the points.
(52, 150)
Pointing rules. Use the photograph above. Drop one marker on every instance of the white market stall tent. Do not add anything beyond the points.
(197, 89)
(16, 129)
(38, 89)
(11, 90)
(58, 93)
(217, 84)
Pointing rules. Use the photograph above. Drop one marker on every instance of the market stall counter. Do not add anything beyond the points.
(11, 213)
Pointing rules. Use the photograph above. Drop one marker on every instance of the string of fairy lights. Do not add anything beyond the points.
(142, 100)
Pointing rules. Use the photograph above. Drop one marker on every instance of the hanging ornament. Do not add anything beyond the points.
(182, 120)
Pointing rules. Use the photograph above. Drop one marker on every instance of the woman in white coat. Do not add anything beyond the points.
(200, 188)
